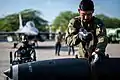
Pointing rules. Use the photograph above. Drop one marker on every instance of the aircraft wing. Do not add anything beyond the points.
(9, 36)
(47, 33)
(13, 33)
(7, 33)
(10, 33)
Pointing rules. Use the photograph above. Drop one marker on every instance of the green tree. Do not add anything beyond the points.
(109, 22)
(63, 19)
(11, 22)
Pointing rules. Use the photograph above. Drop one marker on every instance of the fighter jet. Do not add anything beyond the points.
(28, 31)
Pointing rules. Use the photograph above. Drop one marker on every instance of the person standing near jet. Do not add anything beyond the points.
(71, 48)
(58, 40)
(87, 31)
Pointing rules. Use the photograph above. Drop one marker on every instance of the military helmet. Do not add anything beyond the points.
(86, 5)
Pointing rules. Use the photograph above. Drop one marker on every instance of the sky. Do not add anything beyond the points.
(52, 8)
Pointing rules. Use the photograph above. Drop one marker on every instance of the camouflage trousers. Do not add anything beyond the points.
(82, 53)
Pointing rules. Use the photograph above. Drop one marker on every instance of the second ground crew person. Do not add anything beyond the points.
(80, 26)
(58, 40)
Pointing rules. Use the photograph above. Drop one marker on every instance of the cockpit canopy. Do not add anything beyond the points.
(30, 24)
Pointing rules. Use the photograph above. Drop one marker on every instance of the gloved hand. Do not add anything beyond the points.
(84, 35)
(94, 57)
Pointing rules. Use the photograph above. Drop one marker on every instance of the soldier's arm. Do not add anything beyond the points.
(72, 34)
(102, 38)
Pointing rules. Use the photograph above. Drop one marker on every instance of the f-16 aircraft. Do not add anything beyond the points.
(27, 32)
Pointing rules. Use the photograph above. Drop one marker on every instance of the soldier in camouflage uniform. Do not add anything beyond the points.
(91, 24)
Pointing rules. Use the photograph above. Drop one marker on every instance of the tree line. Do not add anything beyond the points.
(63, 19)
(11, 22)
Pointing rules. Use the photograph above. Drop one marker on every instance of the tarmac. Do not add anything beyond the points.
(46, 51)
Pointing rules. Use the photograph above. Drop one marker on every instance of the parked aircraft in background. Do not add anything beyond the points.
(27, 32)
(113, 35)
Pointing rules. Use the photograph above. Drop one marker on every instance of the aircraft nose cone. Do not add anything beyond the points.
(8, 73)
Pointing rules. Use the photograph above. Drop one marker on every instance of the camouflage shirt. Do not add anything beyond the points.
(96, 27)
